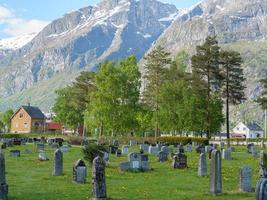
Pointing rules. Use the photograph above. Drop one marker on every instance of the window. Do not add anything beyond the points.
(20, 115)
(25, 124)
(244, 129)
(16, 125)
(36, 124)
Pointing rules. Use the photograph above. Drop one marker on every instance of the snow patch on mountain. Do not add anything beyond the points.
(14, 43)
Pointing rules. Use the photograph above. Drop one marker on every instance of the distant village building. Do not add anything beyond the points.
(28, 119)
(248, 130)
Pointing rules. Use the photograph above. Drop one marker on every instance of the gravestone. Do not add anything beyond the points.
(165, 149)
(99, 191)
(14, 153)
(58, 163)
(254, 151)
(163, 156)
(55, 145)
(3, 184)
(215, 173)
(136, 162)
(263, 165)
(118, 153)
(249, 147)
(226, 154)
(112, 149)
(200, 148)
(133, 142)
(245, 179)
(115, 143)
(180, 148)
(202, 165)
(64, 148)
(189, 148)
(179, 161)
(27, 151)
(153, 150)
(261, 189)
(79, 172)
(208, 148)
(105, 156)
(42, 156)
(40, 147)
(222, 145)
(125, 149)
(159, 147)
(144, 147)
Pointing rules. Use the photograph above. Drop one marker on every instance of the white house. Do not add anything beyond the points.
(248, 130)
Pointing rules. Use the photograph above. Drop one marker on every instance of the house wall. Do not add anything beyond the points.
(21, 122)
(241, 129)
(37, 125)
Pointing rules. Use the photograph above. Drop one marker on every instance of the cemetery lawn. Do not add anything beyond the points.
(30, 179)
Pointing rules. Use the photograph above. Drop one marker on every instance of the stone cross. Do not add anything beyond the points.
(3, 185)
(216, 173)
(245, 179)
(58, 163)
(202, 165)
(99, 191)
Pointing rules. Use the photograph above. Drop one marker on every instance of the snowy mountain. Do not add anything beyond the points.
(79, 40)
(14, 43)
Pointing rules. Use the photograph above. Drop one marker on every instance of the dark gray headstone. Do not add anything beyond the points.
(58, 163)
(118, 153)
(261, 189)
(14, 153)
(202, 165)
(179, 161)
(226, 154)
(99, 191)
(40, 147)
(3, 184)
(189, 148)
(153, 150)
(144, 147)
(79, 171)
(216, 173)
(263, 165)
(163, 156)
(245, 179)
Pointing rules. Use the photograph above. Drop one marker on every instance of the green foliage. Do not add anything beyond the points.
(5, 120)
(71, 101)
(206, 73)
(263, 99)
(91, 151)
(154, 77)
(114, 103)
(185, 140)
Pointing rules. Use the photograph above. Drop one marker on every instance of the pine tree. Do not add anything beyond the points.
(233, 90)
(205, 64)
(263, 99)
(155, 70)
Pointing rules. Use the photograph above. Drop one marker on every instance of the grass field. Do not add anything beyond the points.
(30, 179)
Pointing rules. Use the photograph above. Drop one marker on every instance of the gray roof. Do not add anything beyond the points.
(34, 112)
(254, 127)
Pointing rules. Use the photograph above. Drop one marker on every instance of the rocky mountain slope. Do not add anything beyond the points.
(240, 25)
(82, 39)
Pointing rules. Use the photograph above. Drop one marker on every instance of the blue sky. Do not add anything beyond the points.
(19, 17)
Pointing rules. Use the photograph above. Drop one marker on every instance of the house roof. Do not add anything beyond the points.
(254, 127)
(33, 112)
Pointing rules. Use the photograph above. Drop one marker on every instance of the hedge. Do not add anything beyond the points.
(184, 140)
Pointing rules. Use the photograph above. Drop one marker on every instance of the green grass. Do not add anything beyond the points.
(30, 179)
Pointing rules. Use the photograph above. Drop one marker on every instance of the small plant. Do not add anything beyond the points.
(91, 151)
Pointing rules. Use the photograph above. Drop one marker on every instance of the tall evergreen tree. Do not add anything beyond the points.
(155, 70)
(205, 64)
(233, 90)
(263, 99)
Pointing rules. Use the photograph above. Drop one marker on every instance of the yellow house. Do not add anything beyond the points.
(28, 119)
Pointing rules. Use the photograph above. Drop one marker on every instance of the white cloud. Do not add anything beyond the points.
(16, 26)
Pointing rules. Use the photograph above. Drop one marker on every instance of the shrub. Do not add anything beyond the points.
(184, 140)
(93, 150)
(75, 141)
(10, 135)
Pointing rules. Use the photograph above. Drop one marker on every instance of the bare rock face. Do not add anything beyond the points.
(82, 39)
